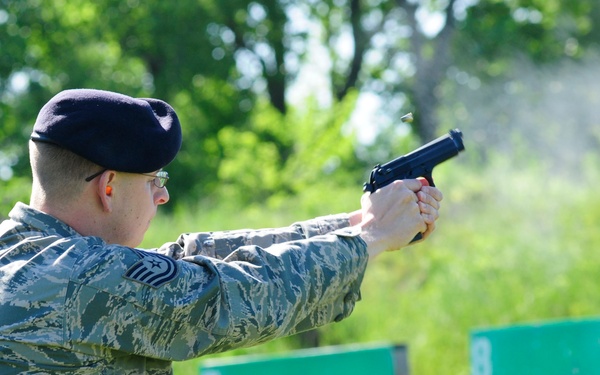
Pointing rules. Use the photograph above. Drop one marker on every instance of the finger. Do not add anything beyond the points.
(433, 192)
(423, 181)
(429, 213)
(428, 199)
(430, 229)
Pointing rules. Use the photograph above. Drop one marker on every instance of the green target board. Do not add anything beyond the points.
(335, 360)
(552, 348)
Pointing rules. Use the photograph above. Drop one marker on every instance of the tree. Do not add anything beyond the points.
(141, 49)
(214, 60)
(397, 52)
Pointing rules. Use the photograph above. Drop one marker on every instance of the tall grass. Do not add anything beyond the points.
(512, 246)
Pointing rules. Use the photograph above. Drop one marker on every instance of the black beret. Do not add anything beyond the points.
(112, 130)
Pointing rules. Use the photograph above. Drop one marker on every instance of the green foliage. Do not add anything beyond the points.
(139, 48)
(541, 30)
(14, 190)
(214, 61)
(249, 166)
(281, 155)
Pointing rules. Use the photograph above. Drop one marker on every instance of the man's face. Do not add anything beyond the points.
(136, 199)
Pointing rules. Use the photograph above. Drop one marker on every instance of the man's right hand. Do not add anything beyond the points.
(391, 216)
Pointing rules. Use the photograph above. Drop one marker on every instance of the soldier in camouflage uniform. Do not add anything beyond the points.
(78, 297)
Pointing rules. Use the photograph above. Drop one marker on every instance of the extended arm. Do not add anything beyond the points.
(210, 305)
(221, 243)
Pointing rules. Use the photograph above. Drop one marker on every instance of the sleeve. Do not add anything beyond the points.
(220, 244)
(200, 305)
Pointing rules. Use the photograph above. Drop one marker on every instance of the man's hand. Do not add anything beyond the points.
(392, 216)
(429, 204)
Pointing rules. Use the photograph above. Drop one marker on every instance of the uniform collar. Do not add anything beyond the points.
(40, 221)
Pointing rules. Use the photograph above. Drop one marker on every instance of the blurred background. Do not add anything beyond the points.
(287, 104)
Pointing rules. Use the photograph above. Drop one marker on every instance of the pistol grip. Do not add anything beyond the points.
(418, 237)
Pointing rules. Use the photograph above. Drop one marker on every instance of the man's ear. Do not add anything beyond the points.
(105, 190)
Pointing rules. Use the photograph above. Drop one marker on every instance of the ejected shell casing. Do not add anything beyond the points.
(407, 117)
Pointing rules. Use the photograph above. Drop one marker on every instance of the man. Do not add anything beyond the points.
(78, 297)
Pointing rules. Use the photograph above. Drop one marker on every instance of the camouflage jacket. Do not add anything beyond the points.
(74, 304)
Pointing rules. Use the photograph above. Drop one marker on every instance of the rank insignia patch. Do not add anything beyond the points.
(153, 269)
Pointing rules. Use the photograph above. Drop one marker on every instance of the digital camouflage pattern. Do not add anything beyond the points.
(73, 304)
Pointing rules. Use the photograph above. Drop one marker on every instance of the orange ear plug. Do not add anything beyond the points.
(108, 190)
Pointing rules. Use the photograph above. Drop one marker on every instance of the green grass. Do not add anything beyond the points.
(512, 246)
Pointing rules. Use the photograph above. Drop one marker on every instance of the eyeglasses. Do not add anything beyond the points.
(160, 178)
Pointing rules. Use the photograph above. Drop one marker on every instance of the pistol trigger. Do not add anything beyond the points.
(430, 180)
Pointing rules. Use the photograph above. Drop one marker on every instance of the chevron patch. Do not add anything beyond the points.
(152, 269)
